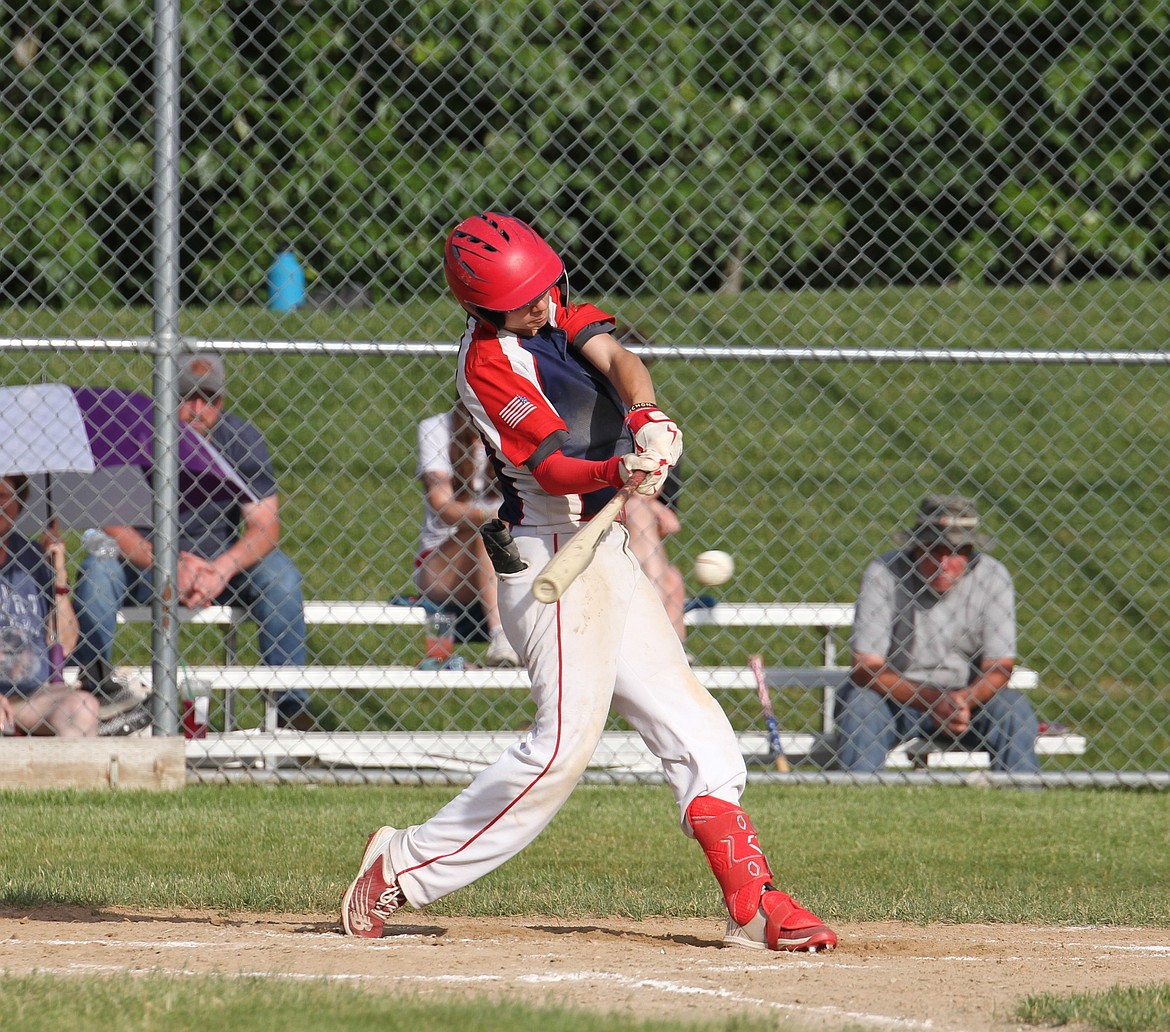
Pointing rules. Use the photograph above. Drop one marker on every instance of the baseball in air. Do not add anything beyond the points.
(713, 567)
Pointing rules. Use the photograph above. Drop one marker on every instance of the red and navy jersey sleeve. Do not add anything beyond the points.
(533, 396)
(576, 317)
(504, 379)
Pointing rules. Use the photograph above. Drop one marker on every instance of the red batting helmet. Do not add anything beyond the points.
(497, 263)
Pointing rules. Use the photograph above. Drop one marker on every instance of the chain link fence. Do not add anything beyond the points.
(875, 251)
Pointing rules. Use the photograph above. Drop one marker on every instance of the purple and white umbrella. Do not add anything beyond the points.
(89, 454)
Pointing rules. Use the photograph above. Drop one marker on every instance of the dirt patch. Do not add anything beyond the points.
(946, 978)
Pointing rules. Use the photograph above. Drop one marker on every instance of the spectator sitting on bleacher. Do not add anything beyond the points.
(649, 521)
(452, 569)
(228, 551)
(35, 609)
(933, 648)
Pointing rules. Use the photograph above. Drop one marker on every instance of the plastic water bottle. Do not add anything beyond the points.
(286, 283)
(100, 545)
(196, 701)
(440, 641)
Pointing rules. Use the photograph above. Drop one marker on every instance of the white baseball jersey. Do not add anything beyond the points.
(434, 456)
(606, 644)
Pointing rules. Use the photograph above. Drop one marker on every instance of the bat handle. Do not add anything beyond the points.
(632, 484)
(564, 567)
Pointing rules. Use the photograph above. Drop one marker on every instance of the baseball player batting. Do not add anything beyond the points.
(567, 415)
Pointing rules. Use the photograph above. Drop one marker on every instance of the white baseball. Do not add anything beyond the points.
(713, 567)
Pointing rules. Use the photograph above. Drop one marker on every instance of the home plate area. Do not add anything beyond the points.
(942, 978)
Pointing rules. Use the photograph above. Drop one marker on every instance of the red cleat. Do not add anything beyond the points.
(374, 894)
(781, 924)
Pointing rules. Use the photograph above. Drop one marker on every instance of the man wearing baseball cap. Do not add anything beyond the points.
(933, 648)
(228, 551)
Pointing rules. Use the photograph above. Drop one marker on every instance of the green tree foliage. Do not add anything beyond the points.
(667, 146)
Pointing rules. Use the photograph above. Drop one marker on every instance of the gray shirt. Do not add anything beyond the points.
(26, 593)
(209, 526)
(935, 639)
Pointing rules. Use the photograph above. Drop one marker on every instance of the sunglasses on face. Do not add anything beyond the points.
(942, 551)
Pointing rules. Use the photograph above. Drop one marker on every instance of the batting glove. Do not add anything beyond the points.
(652, 464)
(655, 432)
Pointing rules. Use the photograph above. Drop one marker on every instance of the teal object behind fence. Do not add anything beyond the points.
(286, 283)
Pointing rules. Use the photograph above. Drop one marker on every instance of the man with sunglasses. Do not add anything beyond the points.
(933, 648)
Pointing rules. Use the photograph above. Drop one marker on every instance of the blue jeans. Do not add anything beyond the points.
(869, 725)
(271, 590)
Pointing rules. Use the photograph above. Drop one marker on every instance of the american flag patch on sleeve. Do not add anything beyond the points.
(516, 410)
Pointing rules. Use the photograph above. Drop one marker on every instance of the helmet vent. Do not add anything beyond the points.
(471, 238)
(502, 230)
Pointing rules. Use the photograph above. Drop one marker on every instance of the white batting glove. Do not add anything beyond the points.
(655, 432)
(652, 464)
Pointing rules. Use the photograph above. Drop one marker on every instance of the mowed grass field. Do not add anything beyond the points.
(922, 855)
(1062, 856)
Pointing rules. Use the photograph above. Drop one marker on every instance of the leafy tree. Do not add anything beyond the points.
(667, 146)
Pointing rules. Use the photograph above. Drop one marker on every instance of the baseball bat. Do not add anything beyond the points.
(569, 562)
(775, 747)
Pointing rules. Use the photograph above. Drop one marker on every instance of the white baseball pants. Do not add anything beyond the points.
(607, 643)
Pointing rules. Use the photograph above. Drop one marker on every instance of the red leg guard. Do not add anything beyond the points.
(729, 841)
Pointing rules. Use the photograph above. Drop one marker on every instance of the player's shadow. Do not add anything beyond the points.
(78, 914)
(395, 930)
(626, 933)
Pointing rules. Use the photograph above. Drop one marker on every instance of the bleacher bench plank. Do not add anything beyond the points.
(797, 746)
(825, 617)
(724, 614)
(467, 752)
(322, 677)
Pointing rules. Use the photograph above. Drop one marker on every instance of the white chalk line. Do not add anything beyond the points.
(671, 987)
(325, 942)
(1153, 951)
(331, 942)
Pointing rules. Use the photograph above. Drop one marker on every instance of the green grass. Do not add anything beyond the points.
(195, 1003)
(1090, 857)
(45, 1003)
(1142, 1008)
